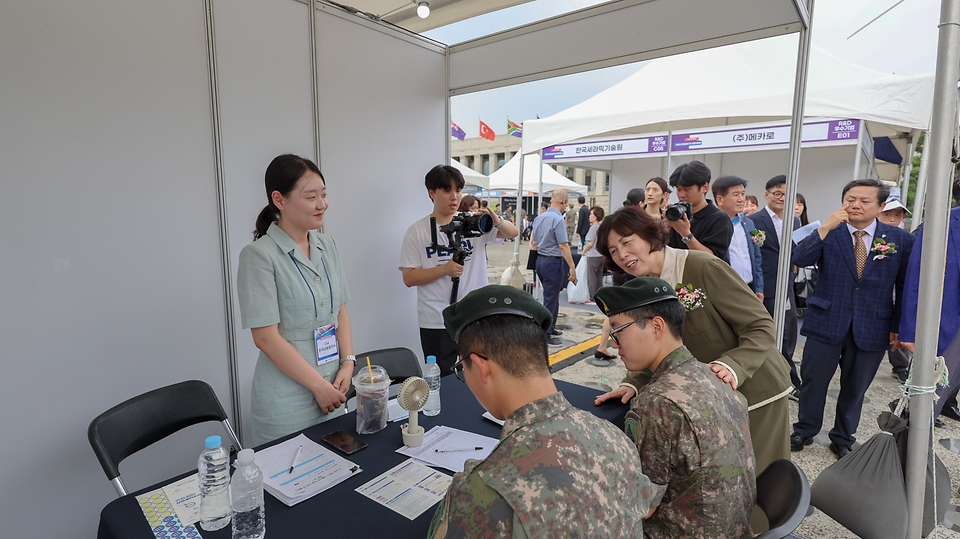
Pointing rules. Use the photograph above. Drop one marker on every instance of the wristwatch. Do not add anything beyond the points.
(686, 239)
(345, 359)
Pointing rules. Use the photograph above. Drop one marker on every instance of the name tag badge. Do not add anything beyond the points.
(326, 339)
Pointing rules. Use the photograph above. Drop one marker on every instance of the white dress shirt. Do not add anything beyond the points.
(777, 222)
(867, 238)
(739, 251)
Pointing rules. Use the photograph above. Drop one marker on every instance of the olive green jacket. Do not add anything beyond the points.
(733, 328)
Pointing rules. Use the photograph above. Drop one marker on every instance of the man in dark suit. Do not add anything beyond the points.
(769, 221)
(851, 316)
(583, 220)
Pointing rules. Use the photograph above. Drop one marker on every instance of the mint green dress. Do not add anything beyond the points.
(274, 283)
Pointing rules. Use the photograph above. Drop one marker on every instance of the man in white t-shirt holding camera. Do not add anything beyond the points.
(432, 270)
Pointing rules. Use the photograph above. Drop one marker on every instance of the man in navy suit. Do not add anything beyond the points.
(948, 345)
(851, 317)
(769, 221)
(730, 194)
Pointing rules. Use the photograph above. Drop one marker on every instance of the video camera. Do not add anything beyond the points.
(463, 225)
(468, 225)
(676, 211)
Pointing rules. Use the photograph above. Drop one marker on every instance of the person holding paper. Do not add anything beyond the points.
(293, 295)
(558, 471)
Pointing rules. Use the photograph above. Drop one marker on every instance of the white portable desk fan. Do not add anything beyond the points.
(412, 398)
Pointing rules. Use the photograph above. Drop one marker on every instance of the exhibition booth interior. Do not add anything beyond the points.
(133, 140)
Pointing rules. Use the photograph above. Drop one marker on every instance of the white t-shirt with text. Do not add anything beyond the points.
(432, 298)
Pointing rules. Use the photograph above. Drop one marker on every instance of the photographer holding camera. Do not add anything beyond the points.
(429, 262)
(695, 223)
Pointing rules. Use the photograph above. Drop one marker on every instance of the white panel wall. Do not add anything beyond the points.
(823, 173)
(630, 173)
(383, 127)
(106, 166)
(266, 103)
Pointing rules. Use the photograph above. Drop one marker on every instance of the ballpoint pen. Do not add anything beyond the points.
(295, 457)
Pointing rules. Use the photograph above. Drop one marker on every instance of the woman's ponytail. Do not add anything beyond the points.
(267, 216)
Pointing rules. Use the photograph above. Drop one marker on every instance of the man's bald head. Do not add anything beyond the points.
(558, 199)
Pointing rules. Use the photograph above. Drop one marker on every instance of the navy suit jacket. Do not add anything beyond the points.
(756, 257)
(771, 251)
(950, 306)
(841, 300)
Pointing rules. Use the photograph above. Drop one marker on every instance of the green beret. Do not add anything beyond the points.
(634, 293)
(492, 300)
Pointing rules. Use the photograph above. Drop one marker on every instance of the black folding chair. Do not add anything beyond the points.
(400, 364)
(143, 420)
(783, 494)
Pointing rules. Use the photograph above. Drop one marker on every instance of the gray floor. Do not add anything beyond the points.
(581, 322)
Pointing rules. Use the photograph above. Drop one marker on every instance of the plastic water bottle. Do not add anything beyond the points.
(246, 498)
(214, 491)
(431, 373)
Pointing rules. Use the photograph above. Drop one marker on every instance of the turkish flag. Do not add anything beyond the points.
(486, 132)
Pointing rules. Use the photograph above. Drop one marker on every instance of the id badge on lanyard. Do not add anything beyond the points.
(326, 340)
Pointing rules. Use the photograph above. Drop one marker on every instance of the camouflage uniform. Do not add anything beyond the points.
(693, 435)
(558, 471)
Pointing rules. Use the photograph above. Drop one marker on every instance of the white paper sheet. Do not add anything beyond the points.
(409, 488)
(318, 468)
(438, 441)
(488, 415)
(185, 497)
(801, 233)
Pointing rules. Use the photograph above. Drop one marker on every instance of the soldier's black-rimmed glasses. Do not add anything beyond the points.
(458, 366)
(613, 332)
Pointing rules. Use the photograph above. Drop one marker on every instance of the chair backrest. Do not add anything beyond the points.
(145, 419)
(783, 494)
(400, 364)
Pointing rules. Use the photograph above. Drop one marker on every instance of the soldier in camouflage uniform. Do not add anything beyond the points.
(558, 471)
(692, 430)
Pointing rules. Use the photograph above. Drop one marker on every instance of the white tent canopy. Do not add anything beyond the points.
(508, 177)
(470, 176)
(738, 84)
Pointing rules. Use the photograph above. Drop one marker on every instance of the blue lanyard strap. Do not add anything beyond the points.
(310, 288)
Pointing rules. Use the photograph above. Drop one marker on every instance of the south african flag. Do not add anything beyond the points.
(514, 129)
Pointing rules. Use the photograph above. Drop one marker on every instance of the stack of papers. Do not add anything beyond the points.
(317, 469)
(450, 448)
(410, 488)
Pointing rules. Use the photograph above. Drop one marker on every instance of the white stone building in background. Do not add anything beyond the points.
(487, 156)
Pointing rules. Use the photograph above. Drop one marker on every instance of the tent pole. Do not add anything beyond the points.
(315, 81)
(859, 154)
(905, 181)
(223, 222)
(793, 174)
(518, 213)
(921, 193)
(540, 181)
(932, 259)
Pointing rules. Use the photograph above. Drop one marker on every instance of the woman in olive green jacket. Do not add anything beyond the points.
(726, 325)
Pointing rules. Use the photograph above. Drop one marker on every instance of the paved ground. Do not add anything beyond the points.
(581, 327)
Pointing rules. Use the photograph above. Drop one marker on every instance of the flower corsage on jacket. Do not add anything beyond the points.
(691, 298)
(883, 249)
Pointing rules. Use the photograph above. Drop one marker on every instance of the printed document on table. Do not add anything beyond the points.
(185, 497)
(440, 440)
(316, 469)
(410, 488)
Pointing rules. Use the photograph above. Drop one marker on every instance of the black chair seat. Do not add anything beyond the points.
(783, 494)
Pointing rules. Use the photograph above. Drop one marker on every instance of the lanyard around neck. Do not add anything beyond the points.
(310, 288)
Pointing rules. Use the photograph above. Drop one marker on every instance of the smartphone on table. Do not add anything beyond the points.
(345, 443)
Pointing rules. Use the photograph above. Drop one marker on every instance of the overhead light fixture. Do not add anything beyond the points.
(423, 9)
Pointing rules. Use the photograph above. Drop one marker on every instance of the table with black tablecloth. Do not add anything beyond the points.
(340, 511)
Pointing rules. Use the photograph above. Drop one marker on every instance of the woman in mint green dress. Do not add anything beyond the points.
(293, 295)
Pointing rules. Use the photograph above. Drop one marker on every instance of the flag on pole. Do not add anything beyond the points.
(455, 131)
(514, 130)
(486, 132)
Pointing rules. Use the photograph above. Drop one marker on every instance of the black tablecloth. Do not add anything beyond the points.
(341, 512)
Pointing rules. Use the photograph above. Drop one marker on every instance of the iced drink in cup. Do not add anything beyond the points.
(372, 398)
